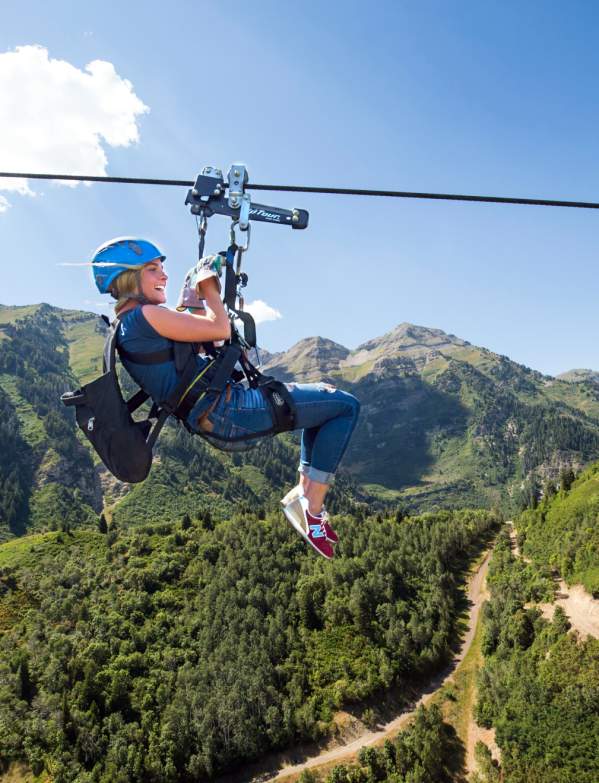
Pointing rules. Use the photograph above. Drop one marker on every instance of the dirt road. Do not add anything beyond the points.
(474, 732)
(344, 753)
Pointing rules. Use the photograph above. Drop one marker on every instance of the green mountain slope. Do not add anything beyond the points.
(45, 469)
(563, 531)
(538, 688)
(444, 422)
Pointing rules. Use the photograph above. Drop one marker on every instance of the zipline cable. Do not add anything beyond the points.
(539, 202)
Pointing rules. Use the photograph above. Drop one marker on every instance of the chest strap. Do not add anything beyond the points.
(152, 357)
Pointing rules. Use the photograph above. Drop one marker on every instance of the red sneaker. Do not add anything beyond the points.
(326, 526)
(312, 530)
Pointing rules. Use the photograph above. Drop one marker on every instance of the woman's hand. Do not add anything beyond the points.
(192, 292)
(207, 268)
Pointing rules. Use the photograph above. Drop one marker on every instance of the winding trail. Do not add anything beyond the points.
(288, 766)
(476, 597)
(474, 732)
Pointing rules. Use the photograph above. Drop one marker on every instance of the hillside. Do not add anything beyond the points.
(579, 376)
(178, 651)
(443, 424)
(49, 477)
(562, 532)
(538, 688)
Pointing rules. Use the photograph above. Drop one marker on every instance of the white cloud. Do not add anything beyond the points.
(262, 312)
(4, 204)
(55, 117)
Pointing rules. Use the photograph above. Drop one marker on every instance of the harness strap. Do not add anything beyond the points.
(193, 385)
(193, 392)
(230, 278)
(281, 404)
(225, 366)
(133, 403)
(151, 357)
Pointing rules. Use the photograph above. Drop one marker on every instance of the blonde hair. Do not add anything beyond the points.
(126, 286)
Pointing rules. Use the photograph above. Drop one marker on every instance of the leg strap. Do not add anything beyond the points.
(281, 404)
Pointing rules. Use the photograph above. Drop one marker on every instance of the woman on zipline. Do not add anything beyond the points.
(132, 271)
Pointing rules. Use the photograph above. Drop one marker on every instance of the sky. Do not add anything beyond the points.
(493, 98)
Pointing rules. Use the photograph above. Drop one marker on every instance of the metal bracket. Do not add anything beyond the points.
(237, 178)
(207, 197)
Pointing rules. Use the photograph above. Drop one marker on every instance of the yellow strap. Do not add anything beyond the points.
(193, 383)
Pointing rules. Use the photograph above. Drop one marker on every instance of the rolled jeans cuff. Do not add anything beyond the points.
(321, 476)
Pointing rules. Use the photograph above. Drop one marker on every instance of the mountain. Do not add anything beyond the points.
(580, 376)
(443, 424)
(312, 359)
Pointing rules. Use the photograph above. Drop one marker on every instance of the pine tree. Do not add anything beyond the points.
(566, 479)
(26, 686)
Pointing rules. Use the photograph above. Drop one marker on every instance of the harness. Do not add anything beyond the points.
(193, 386)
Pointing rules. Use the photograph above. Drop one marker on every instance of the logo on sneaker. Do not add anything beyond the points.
(316, 531)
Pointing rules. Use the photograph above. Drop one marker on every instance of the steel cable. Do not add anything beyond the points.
(539, 202)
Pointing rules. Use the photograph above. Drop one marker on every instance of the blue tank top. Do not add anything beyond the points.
(136, 335)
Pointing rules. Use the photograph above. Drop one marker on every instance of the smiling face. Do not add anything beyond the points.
(153, 282)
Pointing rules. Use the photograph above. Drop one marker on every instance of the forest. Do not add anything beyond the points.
(539, 687)
(176, 652)
(562, 531)
(427, 751)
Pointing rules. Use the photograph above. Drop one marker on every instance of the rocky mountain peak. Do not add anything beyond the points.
(579, 376)
(406, 341)
(311, 359)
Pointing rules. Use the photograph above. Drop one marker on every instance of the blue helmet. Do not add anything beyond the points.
(120, 254)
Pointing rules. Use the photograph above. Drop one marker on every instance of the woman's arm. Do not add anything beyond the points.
(190, 328)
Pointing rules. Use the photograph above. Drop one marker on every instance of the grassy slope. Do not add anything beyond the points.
(9, 315)
(459, 467)
(85, 349)
(85, 341)
(32, 428)
(563, 531)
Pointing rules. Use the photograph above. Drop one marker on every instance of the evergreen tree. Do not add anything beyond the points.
(26, 686)
(566, 479)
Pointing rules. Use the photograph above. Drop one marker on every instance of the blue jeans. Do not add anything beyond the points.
(326, 418)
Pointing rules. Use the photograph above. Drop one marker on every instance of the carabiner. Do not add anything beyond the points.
(242, 248)
(202, 228)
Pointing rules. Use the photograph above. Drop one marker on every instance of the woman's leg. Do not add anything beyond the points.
(328, 417)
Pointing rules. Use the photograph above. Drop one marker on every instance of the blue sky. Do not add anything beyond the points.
(489, 98)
